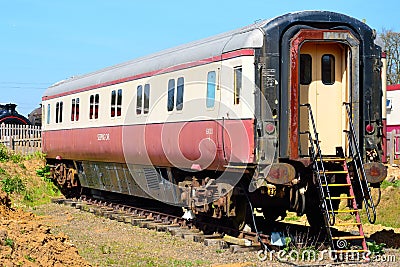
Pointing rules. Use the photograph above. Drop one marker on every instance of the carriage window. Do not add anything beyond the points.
(59, 111)
(146, 98)
(179, 93)
(113, 100)
(91, 107)
(237, 84)
(143, 99)
(139, 91)
(94, 106)
(171, 94)
(210, 89)
(119, 102)
(48, 114)
(116, 103)
(305, 69)
(328, 69)
(75, 109)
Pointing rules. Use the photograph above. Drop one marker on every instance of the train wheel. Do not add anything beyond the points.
(71, 177)
(60, 174)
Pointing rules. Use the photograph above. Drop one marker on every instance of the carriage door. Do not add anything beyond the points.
(323, 86)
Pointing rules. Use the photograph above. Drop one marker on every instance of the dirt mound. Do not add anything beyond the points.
(389, 237)
(26, 242)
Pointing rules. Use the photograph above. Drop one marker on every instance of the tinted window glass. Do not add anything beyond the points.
(119, 102)
(91, 107)
(171, 94)
(73, 110)
(328, 69)
(57, 111)
(77, 109)
(210, 89)
(113, 100)
(48, 114)
(139, 90)
(96, 106)
(237, 84)
(179, 93)
(146, 98)
(305, 69)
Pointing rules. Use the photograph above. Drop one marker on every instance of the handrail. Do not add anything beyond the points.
(361, 176)
(330, 216)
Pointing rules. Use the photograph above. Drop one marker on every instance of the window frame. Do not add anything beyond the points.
(59, 111)
(305, 74)
(113, 103)
(48, 113)
(146, 98)
(171, 95)
(91, 107)
(180, 87)
(96, 106)
(139, 99)
(330, 68)
(119, 103)
(237, 84)
(211, 87)
(75, 109)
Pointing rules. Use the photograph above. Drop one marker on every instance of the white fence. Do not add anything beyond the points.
(393, 145)
(24, 139)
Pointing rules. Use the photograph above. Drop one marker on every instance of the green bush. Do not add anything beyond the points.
(376, 249)
(13, 184)
(44, 172)
(4, 153)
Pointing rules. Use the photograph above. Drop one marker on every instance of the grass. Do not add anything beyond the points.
(388, 208)
(26, 178)
(385, 184)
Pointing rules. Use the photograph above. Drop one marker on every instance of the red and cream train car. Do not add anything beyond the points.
(207, 123)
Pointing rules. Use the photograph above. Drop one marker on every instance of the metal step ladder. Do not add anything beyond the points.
(341, 243)
(325, 186)
(358, 165)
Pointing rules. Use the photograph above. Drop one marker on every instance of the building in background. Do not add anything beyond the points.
(393, 121)
(393, 107)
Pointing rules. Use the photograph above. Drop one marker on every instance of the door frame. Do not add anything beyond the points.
(340, 36)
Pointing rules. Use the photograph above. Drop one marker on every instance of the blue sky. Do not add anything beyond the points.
(45, 41)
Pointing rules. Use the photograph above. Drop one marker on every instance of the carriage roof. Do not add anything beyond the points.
(251, 36)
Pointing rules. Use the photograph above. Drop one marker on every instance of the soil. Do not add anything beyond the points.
(105, 242)
(25, 241)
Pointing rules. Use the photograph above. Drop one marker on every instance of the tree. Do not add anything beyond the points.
(391, 41)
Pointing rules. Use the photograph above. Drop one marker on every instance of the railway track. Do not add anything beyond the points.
(164, 220)
(198, 230)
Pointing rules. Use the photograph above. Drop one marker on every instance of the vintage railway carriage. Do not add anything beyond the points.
(262, 105)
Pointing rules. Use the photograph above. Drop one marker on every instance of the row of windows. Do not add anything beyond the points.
(327, 69)
(175, 98)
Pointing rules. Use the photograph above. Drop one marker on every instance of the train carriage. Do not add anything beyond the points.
(275, 112)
